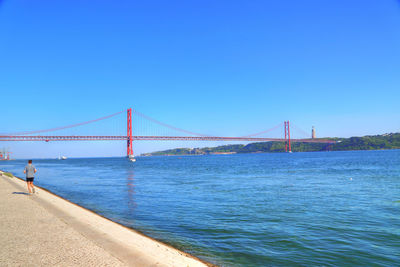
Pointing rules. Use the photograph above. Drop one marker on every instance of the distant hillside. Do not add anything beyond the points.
(371, 142)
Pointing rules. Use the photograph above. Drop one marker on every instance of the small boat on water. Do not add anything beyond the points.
(62, 157)
(131, 158)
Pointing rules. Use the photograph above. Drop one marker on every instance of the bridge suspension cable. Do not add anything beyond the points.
(265, 131)
(300, 130)
(167, 125)
(65, 127)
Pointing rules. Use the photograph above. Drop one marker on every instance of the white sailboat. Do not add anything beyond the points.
(131, 158)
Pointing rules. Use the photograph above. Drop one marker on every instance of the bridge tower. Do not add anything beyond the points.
(287, 137)
(129, 152)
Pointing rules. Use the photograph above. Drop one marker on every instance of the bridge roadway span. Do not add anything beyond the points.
(150, 138)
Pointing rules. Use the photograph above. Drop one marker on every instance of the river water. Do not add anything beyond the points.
(310, 209)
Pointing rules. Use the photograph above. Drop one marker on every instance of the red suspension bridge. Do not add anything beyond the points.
(129, 137)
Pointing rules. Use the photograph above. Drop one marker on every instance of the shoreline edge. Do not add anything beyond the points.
(130, 246)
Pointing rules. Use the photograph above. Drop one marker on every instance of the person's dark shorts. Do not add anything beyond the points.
(29, 179)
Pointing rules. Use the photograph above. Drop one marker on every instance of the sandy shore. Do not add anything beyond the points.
(46, 230)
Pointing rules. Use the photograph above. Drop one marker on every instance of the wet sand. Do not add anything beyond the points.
(46, 230)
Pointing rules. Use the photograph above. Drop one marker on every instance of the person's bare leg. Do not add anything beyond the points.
(33, 188)
(29, 187)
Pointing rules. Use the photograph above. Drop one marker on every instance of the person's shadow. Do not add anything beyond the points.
(20, 193)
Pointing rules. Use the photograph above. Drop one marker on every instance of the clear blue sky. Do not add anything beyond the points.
(219, 67)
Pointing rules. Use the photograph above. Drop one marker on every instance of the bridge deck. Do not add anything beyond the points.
(150, 138)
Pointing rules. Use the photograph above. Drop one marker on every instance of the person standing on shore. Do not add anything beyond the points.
(30, 171)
